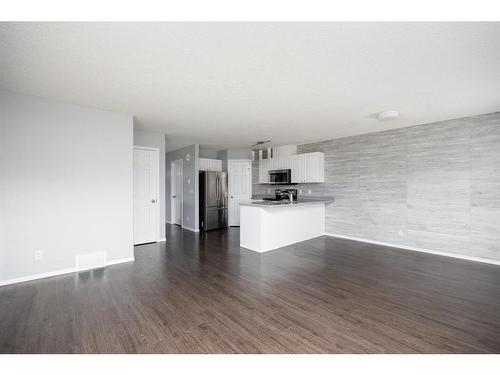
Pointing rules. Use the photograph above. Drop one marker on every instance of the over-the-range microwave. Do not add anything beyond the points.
(280, 177)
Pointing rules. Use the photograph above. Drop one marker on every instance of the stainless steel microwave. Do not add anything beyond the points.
(280, 177)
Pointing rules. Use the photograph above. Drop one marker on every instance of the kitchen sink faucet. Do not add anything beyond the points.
(290, 195)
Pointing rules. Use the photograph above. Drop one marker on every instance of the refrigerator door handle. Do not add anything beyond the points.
(217, 188)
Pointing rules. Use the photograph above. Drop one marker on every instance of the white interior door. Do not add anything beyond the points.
(176, 190)
(239, 187)
(146, 206)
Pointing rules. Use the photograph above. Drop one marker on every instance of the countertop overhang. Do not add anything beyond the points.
(259, 202)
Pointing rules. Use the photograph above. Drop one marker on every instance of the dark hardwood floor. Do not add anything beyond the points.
(203, 294)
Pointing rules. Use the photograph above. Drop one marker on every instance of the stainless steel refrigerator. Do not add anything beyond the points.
(213, 200)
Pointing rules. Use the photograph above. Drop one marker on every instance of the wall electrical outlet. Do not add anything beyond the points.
(187, 218)
(400, 232)
(38, 255)
(301, 191)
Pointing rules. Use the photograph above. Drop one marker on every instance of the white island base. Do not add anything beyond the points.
(264, 228)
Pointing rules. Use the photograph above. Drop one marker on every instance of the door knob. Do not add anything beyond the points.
(232, 197)
(153, 200)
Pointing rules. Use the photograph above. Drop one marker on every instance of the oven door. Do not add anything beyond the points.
(280, 177)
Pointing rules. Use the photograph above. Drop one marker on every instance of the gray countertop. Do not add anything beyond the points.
(259, 202)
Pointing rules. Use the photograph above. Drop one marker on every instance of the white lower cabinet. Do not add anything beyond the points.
(306, 168)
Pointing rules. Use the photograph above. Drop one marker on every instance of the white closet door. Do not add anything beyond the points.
(146, 207)
(239, 187)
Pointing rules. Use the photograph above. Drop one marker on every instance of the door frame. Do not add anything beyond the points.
(158, 201)
(229, 162)
(182, 191)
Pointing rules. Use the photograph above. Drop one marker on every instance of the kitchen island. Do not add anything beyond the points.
(268, 225)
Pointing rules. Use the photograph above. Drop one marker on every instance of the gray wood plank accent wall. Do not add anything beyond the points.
(433, 186)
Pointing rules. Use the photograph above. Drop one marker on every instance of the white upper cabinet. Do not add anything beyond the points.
(264, 171)
(306, 168)
(298, 168)
(285, 162)
(315, 167)
(205, 164)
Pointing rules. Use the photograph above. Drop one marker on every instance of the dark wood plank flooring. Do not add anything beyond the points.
(203, 294)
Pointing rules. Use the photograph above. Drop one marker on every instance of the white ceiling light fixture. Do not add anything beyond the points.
(388, 115)
(260, 143)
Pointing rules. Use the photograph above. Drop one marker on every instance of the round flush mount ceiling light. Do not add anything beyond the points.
(388, 115)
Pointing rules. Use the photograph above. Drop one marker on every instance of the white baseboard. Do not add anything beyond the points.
(59, 272)
(162, 239)
(191, 229)
(37, 276)
(121, 260)
(413, 248)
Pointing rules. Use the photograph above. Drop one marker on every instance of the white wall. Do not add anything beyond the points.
(233, 154)
(208, 153)
(285, 150)
(146, 138)
(239, 153)
(66, 184)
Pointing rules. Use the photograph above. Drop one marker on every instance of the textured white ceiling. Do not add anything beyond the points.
(232, 84)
